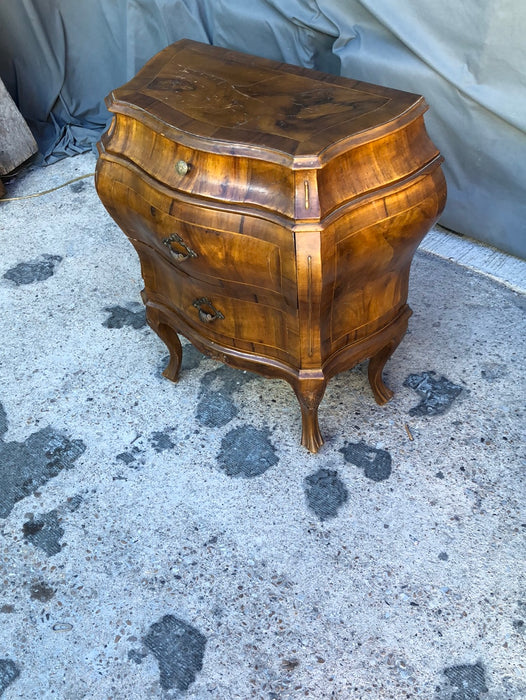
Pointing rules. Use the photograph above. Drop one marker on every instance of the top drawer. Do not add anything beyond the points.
(219, 177)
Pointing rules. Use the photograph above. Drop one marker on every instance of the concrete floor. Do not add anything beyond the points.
(175, 541)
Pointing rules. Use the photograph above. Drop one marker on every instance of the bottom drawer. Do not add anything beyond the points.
(248, 326)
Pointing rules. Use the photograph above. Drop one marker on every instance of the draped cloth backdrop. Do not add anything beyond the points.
(59, 58)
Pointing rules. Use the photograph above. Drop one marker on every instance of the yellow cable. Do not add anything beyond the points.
(39, 194)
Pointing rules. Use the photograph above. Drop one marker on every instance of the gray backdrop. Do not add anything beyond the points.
(59, 58)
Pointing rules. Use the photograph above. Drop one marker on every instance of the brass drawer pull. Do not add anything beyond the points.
(175, 238)
(182, 167)
(207, 311)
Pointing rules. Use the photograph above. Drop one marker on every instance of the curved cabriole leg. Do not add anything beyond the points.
(382, 393)
(171, 340)
(310, 393)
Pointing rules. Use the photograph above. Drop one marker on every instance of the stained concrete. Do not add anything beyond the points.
(150, 551)
(33, 270)
(9, 672)
(120, 316)
(376, 463)
(179, 649)
(28, 465)
(44, 532)
(469, 682)
(219, 387)
(325, 493)
(437, 393)
(247, 451)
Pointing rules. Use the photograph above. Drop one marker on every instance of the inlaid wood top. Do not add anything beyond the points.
(234, 101)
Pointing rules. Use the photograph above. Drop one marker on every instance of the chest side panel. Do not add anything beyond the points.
(368, 253)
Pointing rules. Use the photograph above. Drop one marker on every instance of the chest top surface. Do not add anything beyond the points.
(215, 95)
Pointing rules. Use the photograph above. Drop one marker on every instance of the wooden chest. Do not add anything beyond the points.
(275, 211)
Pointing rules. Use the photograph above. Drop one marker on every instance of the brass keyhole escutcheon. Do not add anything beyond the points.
(182, 167)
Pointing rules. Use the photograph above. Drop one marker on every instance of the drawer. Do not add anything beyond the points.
(229, 322)
(215, 176)
(237, 252)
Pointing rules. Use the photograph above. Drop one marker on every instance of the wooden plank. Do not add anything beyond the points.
(16, 140)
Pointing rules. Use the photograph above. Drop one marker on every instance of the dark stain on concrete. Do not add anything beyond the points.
(73, 502)
(77, 187)
(247, 451)
(226, 379)
(493, 371)
(3, 421)
(161, 441)
(44, 532)
(216, 405)
(215, 409)
(34, 270)
(192, 358)
(443, 556)
(468, 681)
(25, 466)
(325, 493)
(376, 463)
(437, 393)
(131, 457)
(179, 649)
(519, 626)
(128, 457)
(7, 608)
(9, 672)
(41, 591)
(120, 316)
(137, 656)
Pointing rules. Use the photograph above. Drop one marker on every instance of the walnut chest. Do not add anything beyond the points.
(275, 211)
